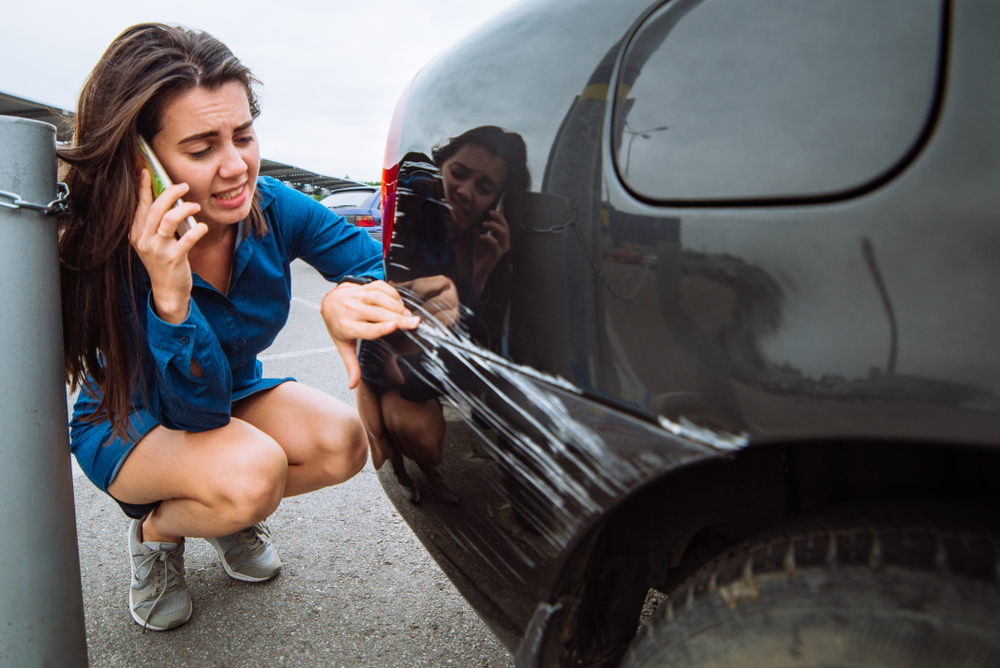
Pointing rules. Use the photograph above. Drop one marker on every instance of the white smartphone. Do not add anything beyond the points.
(161, 182)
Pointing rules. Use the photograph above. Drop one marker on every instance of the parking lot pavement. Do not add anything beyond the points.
(357, 588)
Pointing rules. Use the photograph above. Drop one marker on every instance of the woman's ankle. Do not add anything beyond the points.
(150, 534)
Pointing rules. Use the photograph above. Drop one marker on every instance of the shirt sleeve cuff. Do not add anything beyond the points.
(168, 341)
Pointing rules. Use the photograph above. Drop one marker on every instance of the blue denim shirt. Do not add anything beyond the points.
(224, 333)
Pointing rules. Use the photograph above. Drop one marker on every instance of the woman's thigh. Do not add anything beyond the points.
(231, 461)
(314, 429)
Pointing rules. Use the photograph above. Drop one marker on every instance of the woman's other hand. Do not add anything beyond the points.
(165, 257)
(491, 245)
(353, 312)
(438, 296)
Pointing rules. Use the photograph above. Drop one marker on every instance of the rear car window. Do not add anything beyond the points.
(350, 198)
(763, 99)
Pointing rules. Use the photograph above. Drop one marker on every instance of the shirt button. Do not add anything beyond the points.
(184, 340)
(239, 344)
(231, 311)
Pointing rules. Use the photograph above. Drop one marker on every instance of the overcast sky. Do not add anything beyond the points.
(332, 70)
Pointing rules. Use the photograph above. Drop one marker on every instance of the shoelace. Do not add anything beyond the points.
(163, 580)
(252, 537)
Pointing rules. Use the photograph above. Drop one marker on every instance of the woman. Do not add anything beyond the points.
(456, 230)
(174, 419)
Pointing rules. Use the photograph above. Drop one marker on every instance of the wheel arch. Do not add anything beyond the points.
(663, 532)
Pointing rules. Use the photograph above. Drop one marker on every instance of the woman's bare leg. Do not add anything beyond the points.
(285, 441)
(322, 437)
(212, 483)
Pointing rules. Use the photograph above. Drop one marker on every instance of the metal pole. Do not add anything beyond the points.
(41, 598)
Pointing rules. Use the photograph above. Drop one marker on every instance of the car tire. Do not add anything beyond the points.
(836, 593)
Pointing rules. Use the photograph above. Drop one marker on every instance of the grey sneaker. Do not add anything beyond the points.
(248, 555)
(158, 597)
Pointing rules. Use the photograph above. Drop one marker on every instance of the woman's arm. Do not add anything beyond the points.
(165, 257)
(489, 247)
(336, 248)
(193, 381)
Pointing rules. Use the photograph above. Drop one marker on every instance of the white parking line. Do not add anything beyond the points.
(307, 303)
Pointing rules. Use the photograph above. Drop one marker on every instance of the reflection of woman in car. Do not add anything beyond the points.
(455, 221)
(456, 228)
(162, 326)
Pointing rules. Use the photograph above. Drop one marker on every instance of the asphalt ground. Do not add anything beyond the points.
(357, 588)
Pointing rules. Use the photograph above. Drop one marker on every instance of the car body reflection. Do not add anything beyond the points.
(608, 390)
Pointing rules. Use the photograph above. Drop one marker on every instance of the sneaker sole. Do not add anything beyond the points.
(139, 620)
(239, 576)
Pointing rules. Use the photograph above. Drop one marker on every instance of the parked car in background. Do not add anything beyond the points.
(360, 205)
(709, 320)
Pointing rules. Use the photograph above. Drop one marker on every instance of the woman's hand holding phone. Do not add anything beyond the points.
(164, 256)
(491, 245)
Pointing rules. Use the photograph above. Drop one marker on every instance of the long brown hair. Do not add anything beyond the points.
(142, 70)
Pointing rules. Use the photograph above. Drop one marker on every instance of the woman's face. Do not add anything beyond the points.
(473, 179)
(207, 141)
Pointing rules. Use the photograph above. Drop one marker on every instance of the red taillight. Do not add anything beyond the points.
(364, 221)
(390, 170)
(388, 205)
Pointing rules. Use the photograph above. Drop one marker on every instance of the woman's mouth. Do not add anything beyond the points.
(232, 198)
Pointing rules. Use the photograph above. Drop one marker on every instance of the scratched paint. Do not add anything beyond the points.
(525, 465)
(563, 462)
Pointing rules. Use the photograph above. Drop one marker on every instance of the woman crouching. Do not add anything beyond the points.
(162, 326)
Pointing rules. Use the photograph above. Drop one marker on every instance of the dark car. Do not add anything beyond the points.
(360, 205)
(709, 295)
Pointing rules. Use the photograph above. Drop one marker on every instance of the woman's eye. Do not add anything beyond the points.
(200, 154)
(243, 141)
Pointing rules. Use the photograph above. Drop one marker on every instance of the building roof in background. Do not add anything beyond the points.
(300, 179)
(22, 107)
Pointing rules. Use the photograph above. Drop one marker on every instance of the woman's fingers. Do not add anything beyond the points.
(384, 294)
(162, 205)
(497, 222)
(376, 293)
(498, 227)
(489, 240)
(349, 315)
(172, 218)
(157, 218)
(376, 302)
(383, 300)
(349, 354)
(374, 322)
(191, 237)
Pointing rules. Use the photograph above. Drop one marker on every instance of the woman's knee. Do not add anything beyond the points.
(254, 483)
(341, 450)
